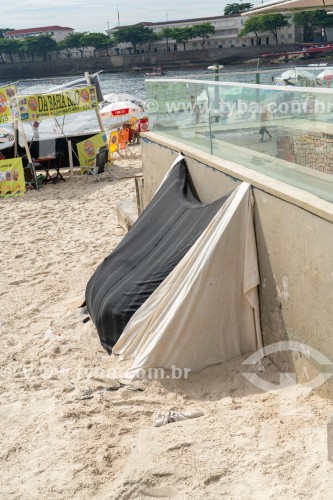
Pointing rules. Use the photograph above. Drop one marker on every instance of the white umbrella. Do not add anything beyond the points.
(299, 77)
(116, 97)
(326, 74)
(293, 74)
(120, 109)
(287, 5)
(305, 74)
(279, 81)
(216, 67)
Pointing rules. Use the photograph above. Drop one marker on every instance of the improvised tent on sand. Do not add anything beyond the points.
(181, 288)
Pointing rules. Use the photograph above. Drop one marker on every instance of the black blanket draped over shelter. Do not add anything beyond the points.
(160, 238)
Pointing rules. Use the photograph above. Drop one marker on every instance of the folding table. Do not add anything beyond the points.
(48, 163)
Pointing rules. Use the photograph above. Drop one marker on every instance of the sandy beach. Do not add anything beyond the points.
(66, 435)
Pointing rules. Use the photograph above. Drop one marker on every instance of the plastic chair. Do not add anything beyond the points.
(123, 141)
(134, 123)
(113, 142)
(102, 157)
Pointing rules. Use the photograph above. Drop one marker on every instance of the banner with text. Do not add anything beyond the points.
(12, 182)
(8, 109)
(41, 106)
(87, 149)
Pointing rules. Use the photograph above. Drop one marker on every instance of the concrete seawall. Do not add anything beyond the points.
(137, 62)
(294, 233)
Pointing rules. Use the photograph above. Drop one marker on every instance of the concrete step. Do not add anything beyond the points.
(127, 213)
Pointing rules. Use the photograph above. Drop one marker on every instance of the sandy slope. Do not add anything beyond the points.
(64, 436)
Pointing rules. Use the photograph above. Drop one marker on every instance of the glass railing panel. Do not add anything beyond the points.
(303, 76)
(177, 111)
(283, 132)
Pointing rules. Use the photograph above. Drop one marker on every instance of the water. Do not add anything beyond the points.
(134, 82)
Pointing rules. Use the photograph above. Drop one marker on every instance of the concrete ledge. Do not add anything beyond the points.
(330, 440)
(127, 213)
(291, 194)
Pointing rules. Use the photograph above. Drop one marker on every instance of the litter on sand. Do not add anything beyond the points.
(120, 385)
(174, 416)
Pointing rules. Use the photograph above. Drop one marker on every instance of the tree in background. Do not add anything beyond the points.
(237, 8)
(136, 35)
(251, 25)
(8, 47)
(21, 52)
(46, 45)
(1, 53)
(269, 22)
(35, 46)
(204, 31)
(324, 20)
(3, 31)
(149, 38)
(97, 40)
(30, 47)
(310, 20)
(183, 35)
(166, 34)
(62, 47)
(274, 22)
(75, 41)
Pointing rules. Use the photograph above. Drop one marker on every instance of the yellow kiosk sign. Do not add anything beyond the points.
(39, 106)
(7, 104)
(87, 149)
(12, 182)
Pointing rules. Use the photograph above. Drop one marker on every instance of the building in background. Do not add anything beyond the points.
(58, 33)
(226, 33)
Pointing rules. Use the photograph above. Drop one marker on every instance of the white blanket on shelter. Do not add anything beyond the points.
(207, 310)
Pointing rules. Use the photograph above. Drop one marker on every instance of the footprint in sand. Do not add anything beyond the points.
(160, 492)
(213, 479)
(15, 283)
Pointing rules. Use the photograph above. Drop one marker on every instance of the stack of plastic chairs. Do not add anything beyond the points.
(123, 140)
(118, 142)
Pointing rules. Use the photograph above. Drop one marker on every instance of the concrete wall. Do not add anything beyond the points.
(182, 60)
(294, 233)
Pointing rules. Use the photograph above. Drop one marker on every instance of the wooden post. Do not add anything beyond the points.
(99, 118)
(100, 121)
(70, 156)
(15, 128)
(137, 189)
(27, 150)
(330, 439)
